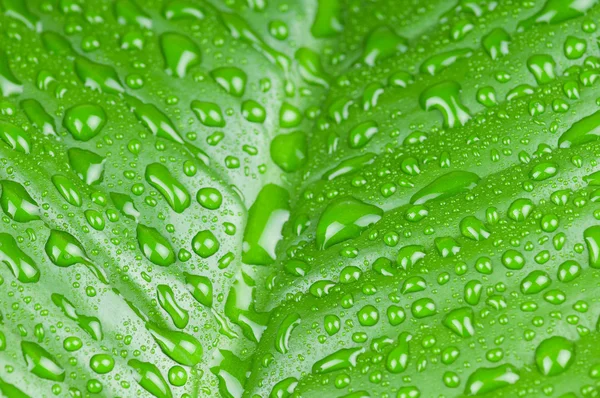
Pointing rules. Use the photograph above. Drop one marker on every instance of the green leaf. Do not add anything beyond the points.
(325, 198)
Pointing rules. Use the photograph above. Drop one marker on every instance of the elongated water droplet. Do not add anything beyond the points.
(98, 77)
(310, 67)
(178, 346)
(446, 186)
(349, 166)
(180, 53)
(343, 219)
(125, 205)
(328, 19)
(485, 380)
(20, 264)
(382, 43)
(150, 378)
(445, 98)
(166, 299)
(9, 390)
(362, 134)
(339, 360)
(156, 121)
(543, 171)
(439, 62)
(266, 217)
(41, 363)
(64, 250)
(67, 190)
(17, 203)
(15, 137)
(9, 84)
(397, 359)
(129, 13)
(88, 165)
(38, 117)
(155, 247)
(582, 131)
(592, 240)
(172, 190)
(282, 340)
(181, 10)
(201, 288)
(496, 43)
(90, 324)
(557, 11)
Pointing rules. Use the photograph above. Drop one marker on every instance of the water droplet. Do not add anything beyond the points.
(554, 355)
(67, 189)
(445, 97)
(17, 203)
(542, 67)
(150, 378)
(445, 186)
(166, 299)
(496, 43)
(84, 122)
(485, 380)
(586, 129)
(284, 332)
(172, 190)
(328, 19)
(343, 219)
(289, 151)
(205, 244)
(201, 288)
(102, 363)
(129, 13)
(20, 264)
(9, 84)
(155, 247)
(178, 10)
(180, 53)
(266, 217)
(179, 346)
(41, 363)
(382, 43)
(520, 209)
(437, 63)
(88, 165)
(460, 321)
(15, 137)
(311, 68)
(339, 360)
(98, 77)
(209, 113)
(38, 117)
(231, 79)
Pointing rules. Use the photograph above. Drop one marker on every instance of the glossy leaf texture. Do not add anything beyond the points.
(313, 198)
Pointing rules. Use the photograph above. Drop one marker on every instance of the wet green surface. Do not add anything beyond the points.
(324, 198)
